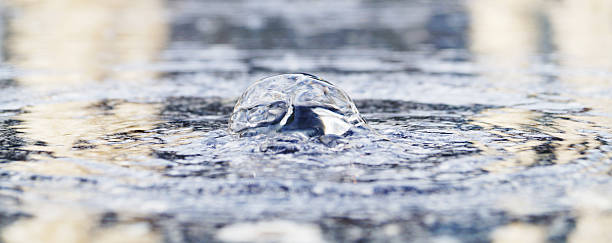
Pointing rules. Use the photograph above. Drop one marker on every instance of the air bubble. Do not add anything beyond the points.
(295, 103)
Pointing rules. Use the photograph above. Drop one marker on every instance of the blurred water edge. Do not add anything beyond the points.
(2, 30)
(492, 118)
(71, 42)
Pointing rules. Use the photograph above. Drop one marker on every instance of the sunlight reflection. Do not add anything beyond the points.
(504, 33)
(75, 41)
(506, 36)
(104, 131)
(561, 139)
(69, 224)
(583, 33)
(2, 31)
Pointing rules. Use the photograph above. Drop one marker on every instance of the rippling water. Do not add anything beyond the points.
(492, 121)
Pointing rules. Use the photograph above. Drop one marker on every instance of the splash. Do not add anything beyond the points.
(295, 103)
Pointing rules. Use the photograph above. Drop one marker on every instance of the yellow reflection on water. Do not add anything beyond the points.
(504, 33)
(583, 34)
(594, 216)
(519, 232)
(70, 42)
(592, 209)
(567, 137)
(74, 41)
(582, 30)
(64, 224)
(95, 131)
(504, 36)
(522, 151)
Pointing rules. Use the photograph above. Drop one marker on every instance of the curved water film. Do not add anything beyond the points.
(295, 103)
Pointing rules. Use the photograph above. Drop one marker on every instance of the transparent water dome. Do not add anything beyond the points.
(295, 103)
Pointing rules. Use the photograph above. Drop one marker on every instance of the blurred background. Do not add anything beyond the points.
(109, 90)
(86, 37)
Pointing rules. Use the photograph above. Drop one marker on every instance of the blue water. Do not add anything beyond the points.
(469, 141)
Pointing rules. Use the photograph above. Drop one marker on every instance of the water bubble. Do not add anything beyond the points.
(299, 103)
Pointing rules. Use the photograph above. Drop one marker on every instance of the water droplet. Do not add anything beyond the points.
(299, 103)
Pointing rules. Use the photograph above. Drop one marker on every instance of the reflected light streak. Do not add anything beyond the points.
(86, 130)
(505, 35)
(68, 42)
(73, 224)
(74, 42)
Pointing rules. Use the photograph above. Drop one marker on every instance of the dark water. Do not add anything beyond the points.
(492, 122)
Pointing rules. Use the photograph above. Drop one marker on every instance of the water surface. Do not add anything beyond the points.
(492, 121)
